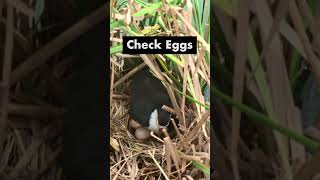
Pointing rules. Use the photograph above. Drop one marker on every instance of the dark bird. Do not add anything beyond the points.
(147, 98)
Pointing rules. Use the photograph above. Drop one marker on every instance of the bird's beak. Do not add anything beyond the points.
(161, 128)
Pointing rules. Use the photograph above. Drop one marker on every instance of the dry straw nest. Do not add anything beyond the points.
(163, 158)
(187, 155)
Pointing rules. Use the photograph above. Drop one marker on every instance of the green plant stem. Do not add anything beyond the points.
(265, 120)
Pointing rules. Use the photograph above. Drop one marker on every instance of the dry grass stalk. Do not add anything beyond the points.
(128, 75)
(196, 128)
(43, 54)
(151, 164)
(163, 158)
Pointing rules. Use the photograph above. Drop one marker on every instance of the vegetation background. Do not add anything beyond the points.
(266, 66)
(35, 39)
(186, 78)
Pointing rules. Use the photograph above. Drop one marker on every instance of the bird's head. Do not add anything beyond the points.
(159, 119)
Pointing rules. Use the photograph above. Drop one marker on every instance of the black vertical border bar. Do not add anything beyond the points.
(106, 69)
(212, 107)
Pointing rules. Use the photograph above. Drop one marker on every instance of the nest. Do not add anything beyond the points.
(31, 142)
(187, 155)
(157, 158)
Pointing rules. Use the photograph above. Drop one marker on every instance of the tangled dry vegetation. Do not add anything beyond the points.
(168, 158)
(186, 78)
(267, 59)
(30, 146)
(32, 69)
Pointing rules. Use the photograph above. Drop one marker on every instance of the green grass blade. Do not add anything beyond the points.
(116, 24)
(265, 120)
(201, 167)
(115, 49)
(191, 98)
(148, 10)
(174, 59)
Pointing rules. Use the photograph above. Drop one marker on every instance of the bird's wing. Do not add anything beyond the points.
(140, 111)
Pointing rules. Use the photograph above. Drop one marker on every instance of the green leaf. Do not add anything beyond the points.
(174, 59)
(191, 98)
(116, 24)
(201, 167)
(141, 3)
(148, 10)
(267, 121)
(115, 49)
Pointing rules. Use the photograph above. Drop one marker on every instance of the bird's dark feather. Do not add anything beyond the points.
(148, 94)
